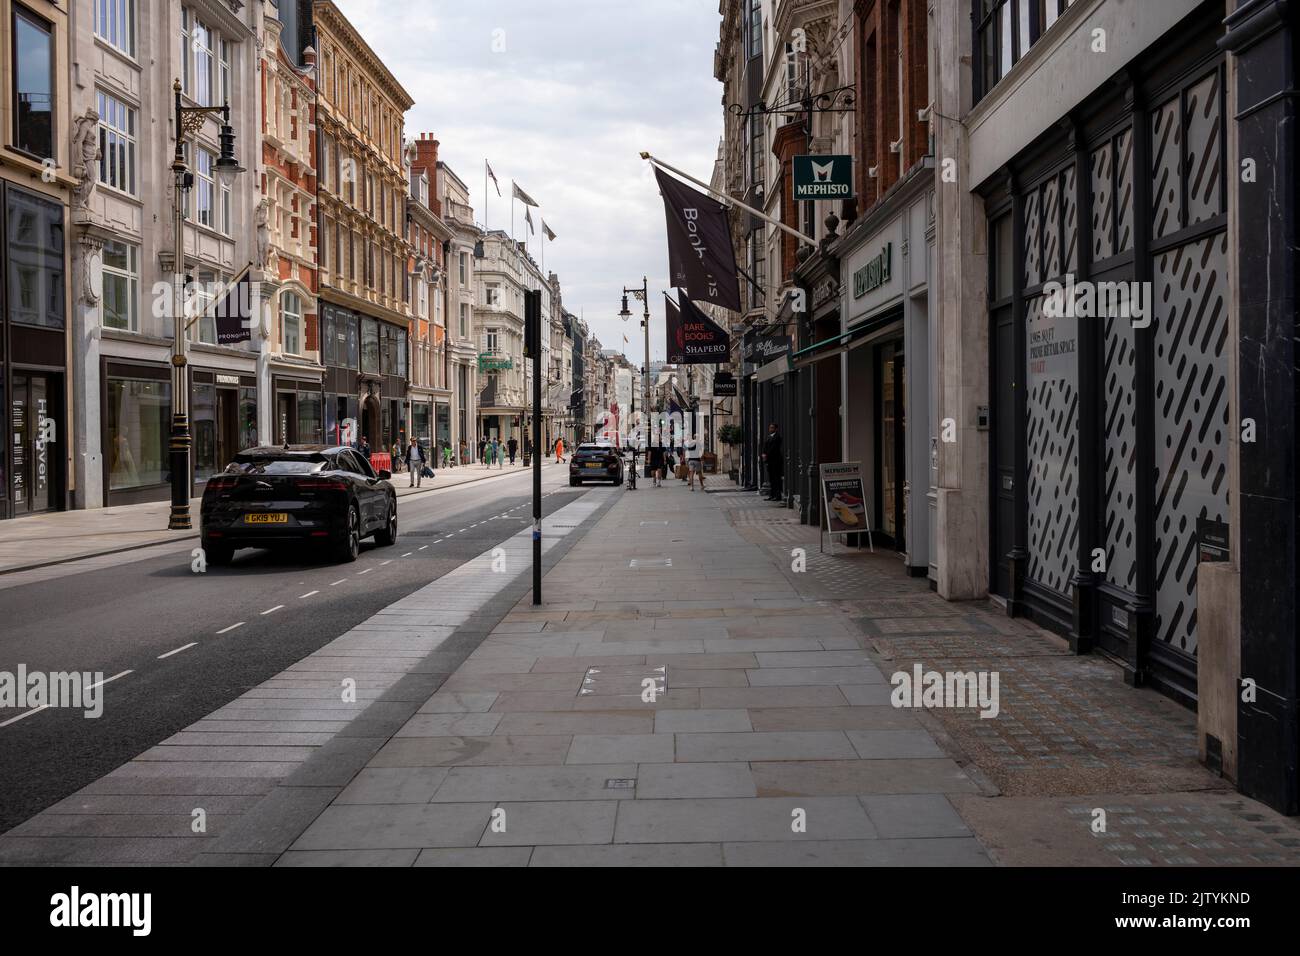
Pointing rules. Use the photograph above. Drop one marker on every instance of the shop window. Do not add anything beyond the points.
(370, 346)
(138, 422)
(119, 298)
(309, 417)
(33, 246)
(203, 400)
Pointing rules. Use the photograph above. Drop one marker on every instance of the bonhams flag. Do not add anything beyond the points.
(694, 338)
(700, 256)
(493, 175)
(547, 229)
(234, 311)
(528, 218)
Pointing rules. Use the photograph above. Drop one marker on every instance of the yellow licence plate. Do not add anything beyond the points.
(594, 464)
(267, 517)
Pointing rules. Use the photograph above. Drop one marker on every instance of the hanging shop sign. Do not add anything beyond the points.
(845, 499)
(766, 348)
(694, 338)
(725, 385)
(494, 363)
(823, 177)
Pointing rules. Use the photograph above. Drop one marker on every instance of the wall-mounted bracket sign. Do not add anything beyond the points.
(823, 177)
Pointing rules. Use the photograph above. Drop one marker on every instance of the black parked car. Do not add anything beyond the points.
(596, 461)
(299, 493)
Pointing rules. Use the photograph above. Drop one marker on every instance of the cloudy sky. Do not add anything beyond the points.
(579, 89)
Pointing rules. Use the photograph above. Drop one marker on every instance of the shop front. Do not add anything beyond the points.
(364, 385)
(223, 418)
(33, 319)
(299, 417)
(1109, 300)
(885, 361)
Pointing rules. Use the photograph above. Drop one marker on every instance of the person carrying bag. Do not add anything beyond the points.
(415, 462)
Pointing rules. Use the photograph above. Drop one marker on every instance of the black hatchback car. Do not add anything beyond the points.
(596, 461)
(270, 497)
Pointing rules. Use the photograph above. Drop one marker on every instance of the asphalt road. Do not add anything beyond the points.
(187, 644)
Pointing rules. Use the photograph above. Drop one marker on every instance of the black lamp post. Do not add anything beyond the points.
(189, 120)
(643, 294)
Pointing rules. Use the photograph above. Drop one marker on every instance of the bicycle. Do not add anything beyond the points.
(631, 472)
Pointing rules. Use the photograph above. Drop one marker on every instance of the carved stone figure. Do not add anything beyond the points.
(262, 255)
(85, 154)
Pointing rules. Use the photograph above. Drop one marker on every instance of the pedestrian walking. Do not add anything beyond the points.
(513, 445)
(694, 463)
(464, 449)
(774, 458)
(482, 447)
(498, 452)
(414, 462)
(364, 447)
(682, 470)
(559, 451)
(395, 456)
(446, 455)
(657, 466)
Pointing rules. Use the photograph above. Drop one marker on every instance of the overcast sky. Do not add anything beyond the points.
(579, 89)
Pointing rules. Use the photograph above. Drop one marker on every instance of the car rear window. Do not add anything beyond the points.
(274, 466)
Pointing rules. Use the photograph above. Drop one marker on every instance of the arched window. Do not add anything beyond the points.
(291, 323)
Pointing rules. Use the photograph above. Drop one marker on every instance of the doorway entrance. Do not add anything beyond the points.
(34, 410)
(891, 433)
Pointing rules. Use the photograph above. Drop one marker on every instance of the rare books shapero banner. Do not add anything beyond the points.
(846, 511)
(694, 338)
(700, 256)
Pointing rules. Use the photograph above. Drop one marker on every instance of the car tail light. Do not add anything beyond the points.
(321, 484)
(222, 482)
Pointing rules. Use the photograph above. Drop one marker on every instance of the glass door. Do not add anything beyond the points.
(891, 496)
(34, 438)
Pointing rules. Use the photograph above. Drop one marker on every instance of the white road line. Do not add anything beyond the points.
(178, 650)
(270, 610)
(382, 563)
(108, 679)
(366, 571)
(307, 595)
(339, 581)
(423, 546)
(26, 713)
(408, 554)
(231, 628)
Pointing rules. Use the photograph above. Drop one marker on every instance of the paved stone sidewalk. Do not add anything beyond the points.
(59, 536)
(1070, 738)
(675, 701)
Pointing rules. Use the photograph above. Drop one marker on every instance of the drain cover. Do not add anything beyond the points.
(620, 783)
(641, 563)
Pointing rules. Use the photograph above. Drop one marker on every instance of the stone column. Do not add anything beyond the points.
(266, 288)
(86, 437)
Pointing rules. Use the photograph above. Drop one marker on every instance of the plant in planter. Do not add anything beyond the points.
(731, 436)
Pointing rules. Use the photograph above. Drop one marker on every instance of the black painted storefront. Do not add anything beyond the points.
(1130, 188)
(33, 348)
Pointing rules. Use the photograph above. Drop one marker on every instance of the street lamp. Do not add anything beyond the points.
(189, 120)
(643, 294)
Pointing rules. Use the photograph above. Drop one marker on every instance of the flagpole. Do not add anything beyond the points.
(485, 181)
(729, 201)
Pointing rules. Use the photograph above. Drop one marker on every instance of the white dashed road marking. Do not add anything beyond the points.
(366, 571)
(271, 610)
(408, 554)
(339, 581)
(26, 713)
(231, 628)
(109, 679)
(178, 650)
(307, 595)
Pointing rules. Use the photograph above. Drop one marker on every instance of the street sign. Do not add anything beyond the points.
(823, 177)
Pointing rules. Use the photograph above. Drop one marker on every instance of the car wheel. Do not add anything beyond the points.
(348, 549)
(218, 554)
(387, 535)
(574, 482)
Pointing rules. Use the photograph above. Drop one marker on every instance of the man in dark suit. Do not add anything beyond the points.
(774, 458)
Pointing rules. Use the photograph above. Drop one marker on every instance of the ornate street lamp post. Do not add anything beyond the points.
(643, 294)
(189, 120)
